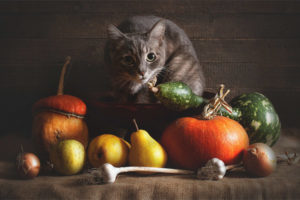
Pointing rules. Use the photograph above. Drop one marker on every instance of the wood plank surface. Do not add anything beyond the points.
(86, 75)
(161, 7)
(264, 51)
(197, 26)
(247, 45)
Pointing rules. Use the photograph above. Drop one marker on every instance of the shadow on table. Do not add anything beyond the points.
(8, 170)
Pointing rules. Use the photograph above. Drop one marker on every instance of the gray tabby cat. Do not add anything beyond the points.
(143, 47)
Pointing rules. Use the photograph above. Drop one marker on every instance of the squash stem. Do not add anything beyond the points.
(154, 89)
(60, 90)
(200, 101)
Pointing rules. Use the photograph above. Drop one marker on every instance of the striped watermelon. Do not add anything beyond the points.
(257, 115)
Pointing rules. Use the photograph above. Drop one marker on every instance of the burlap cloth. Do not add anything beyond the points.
(282, 184)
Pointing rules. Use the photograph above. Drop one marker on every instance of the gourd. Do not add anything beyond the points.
(177, 96)
(57, 118)
(253, 111)
(258, 116)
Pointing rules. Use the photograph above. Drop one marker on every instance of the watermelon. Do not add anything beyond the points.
(257, 115)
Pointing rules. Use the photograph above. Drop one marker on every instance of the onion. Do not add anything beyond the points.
(28, 165)
(259, 160)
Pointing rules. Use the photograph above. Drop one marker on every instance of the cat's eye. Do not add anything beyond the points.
(128, 60)
(151, 57)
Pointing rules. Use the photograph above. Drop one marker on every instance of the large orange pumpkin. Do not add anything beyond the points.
(191, 142)
(57, 118)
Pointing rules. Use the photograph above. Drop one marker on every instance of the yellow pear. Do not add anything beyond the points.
(145, 151)
(68, 157)
(108, 148)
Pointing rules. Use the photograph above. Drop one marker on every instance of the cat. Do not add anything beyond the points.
(144, 47)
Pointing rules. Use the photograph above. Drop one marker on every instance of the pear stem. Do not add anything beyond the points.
(60, 90)
(135, 124)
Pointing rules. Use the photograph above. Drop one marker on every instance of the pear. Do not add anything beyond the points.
(145, 151)
(68, 157)
(108, 148)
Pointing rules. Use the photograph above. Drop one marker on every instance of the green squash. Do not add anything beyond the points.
(253, 111)
(257, 115)
(177, 96)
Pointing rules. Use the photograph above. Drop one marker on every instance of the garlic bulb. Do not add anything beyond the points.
(214, 169)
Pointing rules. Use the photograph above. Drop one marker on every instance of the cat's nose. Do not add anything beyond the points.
(142, 73)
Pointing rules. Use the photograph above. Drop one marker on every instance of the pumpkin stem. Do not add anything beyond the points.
(60, 90)
(214, 105)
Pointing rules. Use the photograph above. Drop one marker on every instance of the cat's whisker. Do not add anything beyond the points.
(160, 75)
(121, 82)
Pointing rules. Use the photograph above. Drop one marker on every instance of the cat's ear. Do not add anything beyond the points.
(114, 33)
(158, 30)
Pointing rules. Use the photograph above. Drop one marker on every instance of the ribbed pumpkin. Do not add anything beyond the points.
(57, 118)
(190, 142)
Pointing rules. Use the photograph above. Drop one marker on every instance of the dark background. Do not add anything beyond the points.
(247, 45)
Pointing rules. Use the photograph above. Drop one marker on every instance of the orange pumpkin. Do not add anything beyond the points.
(63, 103)
(191, 142)
(51, 125)
(57, 118)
